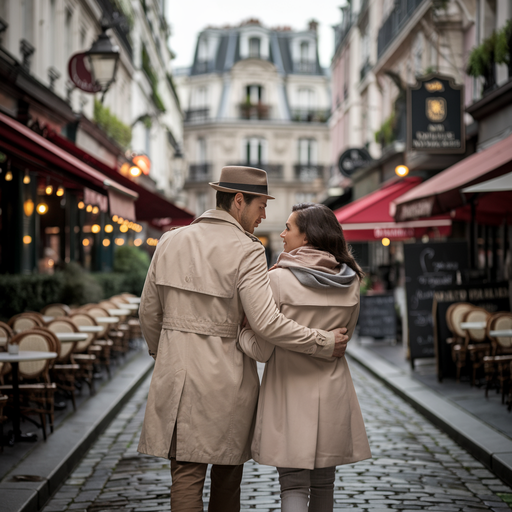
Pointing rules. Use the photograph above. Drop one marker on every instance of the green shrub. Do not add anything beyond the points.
(111, 125)
(111, 283)
(134, 264)
(386, 134)
(79, 286)
(31, 292)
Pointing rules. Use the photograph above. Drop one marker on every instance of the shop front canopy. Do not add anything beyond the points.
(150, 206)
(450, 189)
(41, 154)
(368, 218)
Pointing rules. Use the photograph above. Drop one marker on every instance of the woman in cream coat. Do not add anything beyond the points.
(309, 419)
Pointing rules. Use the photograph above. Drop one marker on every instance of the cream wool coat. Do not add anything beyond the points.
(308, 413)
(202, 279)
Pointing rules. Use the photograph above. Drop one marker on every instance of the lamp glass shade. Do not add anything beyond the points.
(103, 67)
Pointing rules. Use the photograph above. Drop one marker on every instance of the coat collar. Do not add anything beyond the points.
(219, 215)
(224, 216)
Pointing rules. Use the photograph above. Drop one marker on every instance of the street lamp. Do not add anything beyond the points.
(103, 59)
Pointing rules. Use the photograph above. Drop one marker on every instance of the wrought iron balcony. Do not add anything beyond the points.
(364, 69)
(199, 173)
(274, 171)
(258, 111)
(197, 115)
(395, 22)
(304, 115)
(308, 172)
(305, 66)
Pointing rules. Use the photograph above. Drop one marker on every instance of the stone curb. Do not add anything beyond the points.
(487, 445)
(54, 460)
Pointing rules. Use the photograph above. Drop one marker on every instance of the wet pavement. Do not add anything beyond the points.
(415, 466)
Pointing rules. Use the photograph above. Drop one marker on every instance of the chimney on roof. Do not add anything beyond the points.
(313, 26)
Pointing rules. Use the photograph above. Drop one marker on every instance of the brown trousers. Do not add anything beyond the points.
(188, 482)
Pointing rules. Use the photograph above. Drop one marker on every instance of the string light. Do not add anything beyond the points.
(95, 210)
(95, 228)
(106, 242)
(42, 208)
(26, 178)
(81, 205)
(109, 228)
(49, 190)
(60, 191)
(27, 239)
(89, 208)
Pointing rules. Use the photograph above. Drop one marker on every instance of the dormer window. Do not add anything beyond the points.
(254, 47)
(202, 51)
(304, 51)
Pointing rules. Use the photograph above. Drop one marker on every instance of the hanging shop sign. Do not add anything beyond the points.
(435, 115)
(353, 159)
(80, 74)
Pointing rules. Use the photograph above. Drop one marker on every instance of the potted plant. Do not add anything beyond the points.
(481, 62)
(504, 46)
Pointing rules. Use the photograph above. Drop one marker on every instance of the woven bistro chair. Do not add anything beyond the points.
(65, 371)
(7, 333)
(56, 310)
(112, 333)
(3, 419)
(122, 326)
(455, 316)
(25, 321)
(36, 390)
(497, 365)
(135, 331)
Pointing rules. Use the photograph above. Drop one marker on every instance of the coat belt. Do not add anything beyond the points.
(206, 327)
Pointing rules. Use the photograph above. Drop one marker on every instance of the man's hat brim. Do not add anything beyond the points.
(245, 189)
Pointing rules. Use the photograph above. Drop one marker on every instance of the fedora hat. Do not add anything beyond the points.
(247, 180)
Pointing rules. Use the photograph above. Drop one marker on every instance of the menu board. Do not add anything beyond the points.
(377, 317)
(428, 266)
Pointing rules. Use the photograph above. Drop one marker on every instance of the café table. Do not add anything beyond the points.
(120, 312)
(106, 319)
(473, 325)
(14, 360)
(131, 307)
(48, 318)
(501, 333)
(133, 300)
(70, 336)
(90, 328)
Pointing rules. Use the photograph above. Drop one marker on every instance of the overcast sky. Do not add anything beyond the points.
(189, 17)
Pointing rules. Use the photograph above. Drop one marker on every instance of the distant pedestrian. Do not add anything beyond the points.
(308, 419)
(203, 394)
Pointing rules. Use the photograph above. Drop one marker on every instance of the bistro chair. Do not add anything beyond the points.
(35, 388)
(65, 370)
(25, 321)
(112, 332)
(56, 310)
(6, 333)
(454, 317)
(133, 321)
(3, 419)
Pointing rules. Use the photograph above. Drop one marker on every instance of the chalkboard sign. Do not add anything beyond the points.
(492, 297)
(428, 266)
(377, 317)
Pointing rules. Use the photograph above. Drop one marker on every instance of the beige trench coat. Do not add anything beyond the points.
(201, 280)
(308, 413)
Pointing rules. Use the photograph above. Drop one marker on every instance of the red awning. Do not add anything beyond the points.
(443, 192)
(32, 148)
(368, 218)
(149, 205)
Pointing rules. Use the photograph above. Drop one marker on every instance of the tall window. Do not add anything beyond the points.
(52, 32)
(200, 97)
(201, 151)
(202, 51)
(307, 99)
(255, 151)
(304, 51)
(254, 47)
(28, 20)
(69, 32)
(254, 94)
(307, 151)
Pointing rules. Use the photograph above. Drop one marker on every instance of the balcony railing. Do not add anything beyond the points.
(305, 66)
(394, 23)
(258, 111)
(364, 69)
(273, 170)
(304, 115)
(197, 115)
(198, 173)
(306, 172)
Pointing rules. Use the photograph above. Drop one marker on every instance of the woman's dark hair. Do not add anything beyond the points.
(224, 200)
(323, 231)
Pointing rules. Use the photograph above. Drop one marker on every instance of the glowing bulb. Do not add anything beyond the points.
(28, 207)
(114, 218)
(27, 239)
(109, 228)
(60, 191)
(386, 242)
(402, 170)
(89, 208)
(119, 241)
(49, 190)
(123, 228)
(137, 242)
(95, 210)
(26, 178)
(85, 242)
(106, 242)
(135, 171)
(51, 263)
(8, 176)
(81, 205)
(42, 208)
(95, 228)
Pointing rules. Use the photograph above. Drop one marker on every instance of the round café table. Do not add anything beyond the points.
(68, 337)
(120, 312)
(106, 319)
(14, 360)
(133, 300)
(90, 328)
(473, 325)
(131, 307)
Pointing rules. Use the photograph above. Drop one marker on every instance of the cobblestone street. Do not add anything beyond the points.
(414, 467)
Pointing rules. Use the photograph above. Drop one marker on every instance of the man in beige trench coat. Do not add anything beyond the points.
(203, 394)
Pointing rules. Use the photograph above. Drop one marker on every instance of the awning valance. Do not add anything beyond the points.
(443, 192)
(368, 218)
(27, 144)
